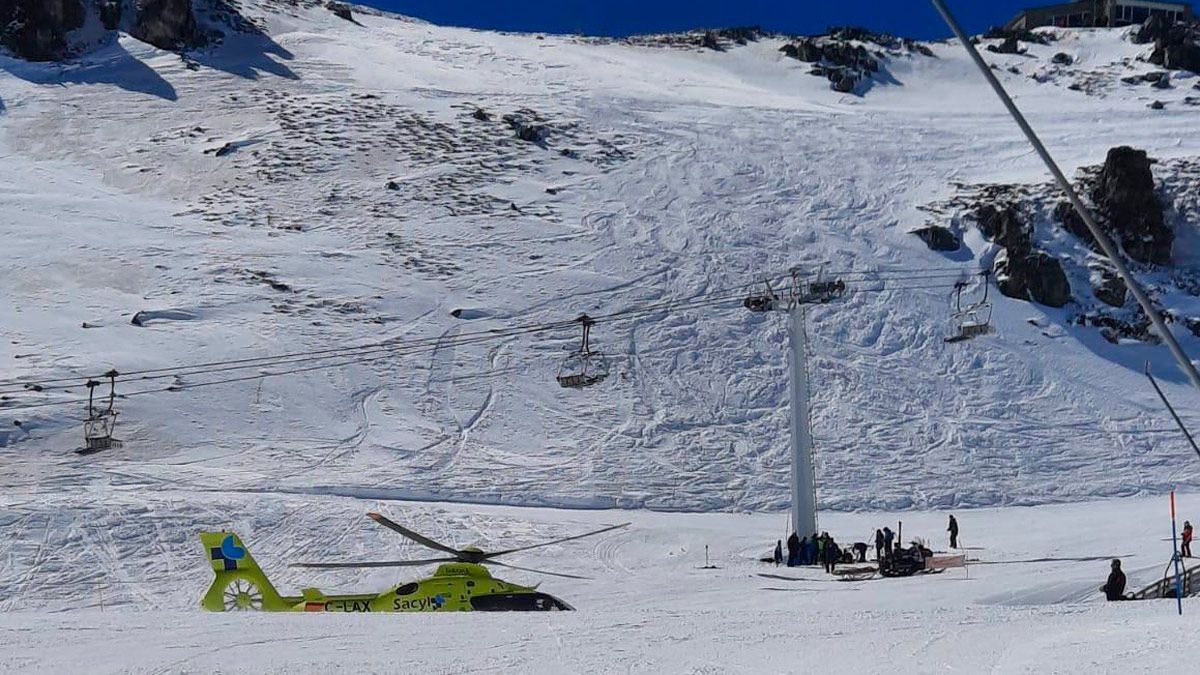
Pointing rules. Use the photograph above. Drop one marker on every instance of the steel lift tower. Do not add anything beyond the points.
(803, 292)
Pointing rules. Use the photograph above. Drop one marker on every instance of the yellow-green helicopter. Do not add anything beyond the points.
(461, 582)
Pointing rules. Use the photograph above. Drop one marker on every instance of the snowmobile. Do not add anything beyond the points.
(460, 583)
(903, 563)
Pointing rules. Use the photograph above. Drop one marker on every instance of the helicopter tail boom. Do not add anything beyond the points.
(239, 583)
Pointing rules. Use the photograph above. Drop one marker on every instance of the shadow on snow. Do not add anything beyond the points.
(111, 65)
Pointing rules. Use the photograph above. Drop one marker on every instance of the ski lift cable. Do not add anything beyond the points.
(246, 378)
(390, 347)
(410, 350)
(242, 364)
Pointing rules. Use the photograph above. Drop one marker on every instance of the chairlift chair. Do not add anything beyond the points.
(583, 367)
(973, 320)
(100, 424)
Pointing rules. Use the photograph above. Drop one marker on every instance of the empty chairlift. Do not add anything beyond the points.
(971, 319)
(101, 421)
(583, 367)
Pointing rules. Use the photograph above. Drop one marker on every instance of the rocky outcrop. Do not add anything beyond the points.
(1069, 217)
(938, 238)
(1175, 47)
(847, 58)
(341, 11)
(37, 29)
(167, 24)
(1008, 46)
(1036, 276)
(1126, 198)
(1109, 288)
(1019, 34)
(1022, 272)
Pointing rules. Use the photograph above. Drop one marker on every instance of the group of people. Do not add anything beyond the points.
(823, 550)
(818, 550)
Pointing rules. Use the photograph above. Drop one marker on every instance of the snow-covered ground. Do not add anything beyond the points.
(1025, 606)
(328, 184)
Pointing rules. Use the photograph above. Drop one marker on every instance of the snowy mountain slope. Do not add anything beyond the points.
(328, 183)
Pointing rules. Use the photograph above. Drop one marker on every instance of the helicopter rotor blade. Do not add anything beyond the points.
(530, 569)
(381, 563)
(489, 556)
(419, 538)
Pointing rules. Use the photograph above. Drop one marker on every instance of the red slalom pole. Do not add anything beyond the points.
(1175, 558)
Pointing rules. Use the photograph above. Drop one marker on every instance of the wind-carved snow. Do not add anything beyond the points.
(350, 193)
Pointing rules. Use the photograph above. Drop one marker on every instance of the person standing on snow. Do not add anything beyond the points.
(878, 545)
(1114, 588)
(810, 551)
(953, 530)
(888, 537)
(802, 552)
(830, 554)
(793, 544)
(778, 552)
(1186, 549)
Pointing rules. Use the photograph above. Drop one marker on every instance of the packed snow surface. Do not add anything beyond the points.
(1029, 605)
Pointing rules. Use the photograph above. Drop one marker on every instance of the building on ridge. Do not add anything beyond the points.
(1100, 13)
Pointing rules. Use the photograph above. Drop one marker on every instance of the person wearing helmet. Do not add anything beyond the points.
(1114, 588)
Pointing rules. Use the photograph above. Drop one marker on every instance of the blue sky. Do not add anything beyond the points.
(910, 18)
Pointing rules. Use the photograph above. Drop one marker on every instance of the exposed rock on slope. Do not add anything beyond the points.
(1022, 271)
(1139, 213)
(1126, 197)
(37, 29)
(167, 24)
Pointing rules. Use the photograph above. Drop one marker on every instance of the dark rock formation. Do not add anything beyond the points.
(110, 13)
(938, 238)
(1114, 329)
(1176, 47)
(709, 41)
(1126, 197)
(1157, 105)
(1155, 28)
(526, 130)
(167, 24)
(1019, 34)
(37, 29)
(1110, 289)
(1037, 276)
(1069, 217)
(1063, 59)
(1009, 46)
(1004, 226)
(342, 11)
(1022, 272)
(839, 59)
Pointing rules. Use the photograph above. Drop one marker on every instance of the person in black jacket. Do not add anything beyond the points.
(1114, 588)
(830, 554)
(953, 530)
(879, 544)
(793, 544)
(778, 552)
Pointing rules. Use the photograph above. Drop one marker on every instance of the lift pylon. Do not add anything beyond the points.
(801, 293)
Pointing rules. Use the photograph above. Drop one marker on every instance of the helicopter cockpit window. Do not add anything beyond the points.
(406, 589)
(518, 602)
